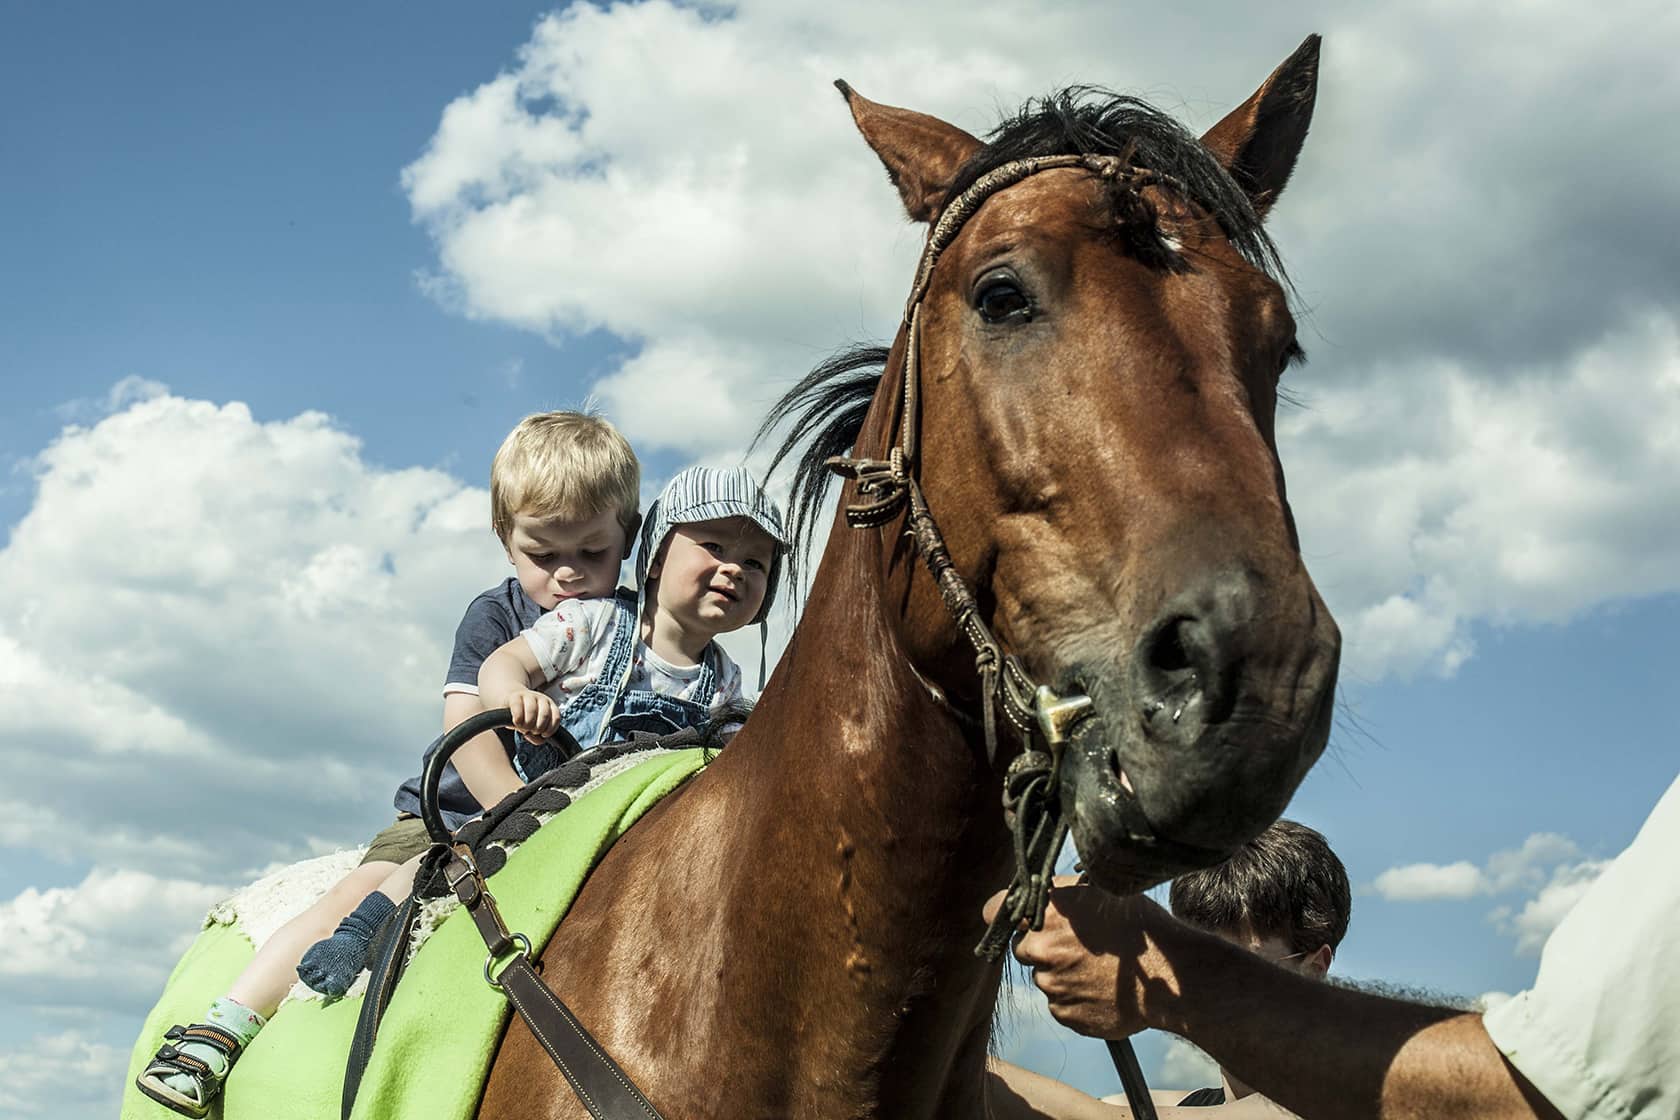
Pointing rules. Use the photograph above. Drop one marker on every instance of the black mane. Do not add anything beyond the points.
(827, 408)
(828, 405)
(1089, 120)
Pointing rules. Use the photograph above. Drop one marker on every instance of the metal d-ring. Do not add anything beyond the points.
(518, 939)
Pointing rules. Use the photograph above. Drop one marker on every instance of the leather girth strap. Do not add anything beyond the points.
(605, 1089)
(390, 949)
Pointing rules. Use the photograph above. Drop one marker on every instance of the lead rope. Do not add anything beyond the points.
(886, 487)
(1031, 805)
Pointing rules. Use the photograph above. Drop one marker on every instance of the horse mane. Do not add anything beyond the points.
(827, 408)
(1090, 120)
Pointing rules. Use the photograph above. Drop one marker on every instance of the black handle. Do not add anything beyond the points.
(457, 736)
(1131, 1078)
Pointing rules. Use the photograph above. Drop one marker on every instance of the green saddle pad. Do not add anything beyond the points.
(442, 1026)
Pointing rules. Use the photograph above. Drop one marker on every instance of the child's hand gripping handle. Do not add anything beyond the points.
(457, 737)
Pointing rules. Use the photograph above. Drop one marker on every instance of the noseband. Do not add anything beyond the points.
(888, 487)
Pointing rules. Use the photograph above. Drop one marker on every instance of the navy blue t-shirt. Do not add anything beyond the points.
(492, 620)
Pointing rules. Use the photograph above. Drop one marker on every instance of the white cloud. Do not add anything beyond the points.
(1523, 868)
(1417, 882)
(1494, 388)
(62, 1075)
(1185, 1066)
(1539, 916)
(108, 942)
(130, 390)
(1529, 866)
(1504, 501)
(1546, 868)
(133, 390)
(222, 636)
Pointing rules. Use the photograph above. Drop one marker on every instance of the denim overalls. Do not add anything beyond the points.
(606, 710)
(586, 716)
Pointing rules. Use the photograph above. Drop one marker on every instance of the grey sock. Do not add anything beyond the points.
(331, 966)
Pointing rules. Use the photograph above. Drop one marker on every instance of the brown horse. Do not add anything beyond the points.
(792, 933)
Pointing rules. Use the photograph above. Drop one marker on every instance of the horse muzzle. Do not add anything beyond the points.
(1157, 781)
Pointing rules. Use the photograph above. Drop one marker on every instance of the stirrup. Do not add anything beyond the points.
(170, 1061)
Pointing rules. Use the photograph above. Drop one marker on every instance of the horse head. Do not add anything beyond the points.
(1099, 346)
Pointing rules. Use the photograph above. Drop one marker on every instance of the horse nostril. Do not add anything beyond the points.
(1167, 653)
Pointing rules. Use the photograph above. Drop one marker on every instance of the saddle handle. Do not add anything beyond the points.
(455, 738)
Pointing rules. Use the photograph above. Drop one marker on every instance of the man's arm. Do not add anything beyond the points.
(1111, 966)
(1014, 1093)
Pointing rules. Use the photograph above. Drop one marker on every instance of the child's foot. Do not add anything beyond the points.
(191, 1065)
(331, 966)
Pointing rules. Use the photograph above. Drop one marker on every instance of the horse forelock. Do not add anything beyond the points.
(1090, 120)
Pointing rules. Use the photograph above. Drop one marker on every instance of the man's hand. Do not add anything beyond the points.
(535, 715)
(1096, 959)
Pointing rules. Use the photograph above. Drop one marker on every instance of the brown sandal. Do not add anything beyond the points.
(170, 1061)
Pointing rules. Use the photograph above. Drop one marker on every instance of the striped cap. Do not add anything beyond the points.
(707, 494)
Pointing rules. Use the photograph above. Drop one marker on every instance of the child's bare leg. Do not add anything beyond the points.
(332, 964)
(234, 1020)
(273, 971)
(399, 884)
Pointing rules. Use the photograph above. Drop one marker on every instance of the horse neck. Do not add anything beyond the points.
(897, 828)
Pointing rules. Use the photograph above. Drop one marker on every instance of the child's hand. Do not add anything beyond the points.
(534, 714)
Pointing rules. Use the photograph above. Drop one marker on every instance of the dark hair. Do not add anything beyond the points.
(1090, 120)
(1284, 883)
(828, 408)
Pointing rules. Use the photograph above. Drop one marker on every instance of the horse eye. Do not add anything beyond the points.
(1002, 299)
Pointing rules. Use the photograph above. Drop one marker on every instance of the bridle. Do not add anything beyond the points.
(888, 487)
(1041, 717)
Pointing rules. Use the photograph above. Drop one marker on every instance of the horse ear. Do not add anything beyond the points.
(1259, 139)
(922, 154)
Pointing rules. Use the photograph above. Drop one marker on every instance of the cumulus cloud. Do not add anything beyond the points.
(1525, 867)
(1417, 882)
(1184, 1065)
(226, 630)
(1534, 922)
(130, 390)
(1546, 867)
(1441, 497)
(1496, 376)
(62, 1074)
(105, 943)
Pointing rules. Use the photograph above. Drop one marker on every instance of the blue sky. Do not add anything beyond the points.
(209, 197)
(395, 216)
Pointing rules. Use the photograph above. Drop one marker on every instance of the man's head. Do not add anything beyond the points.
(1284, 895)
(564, 490)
